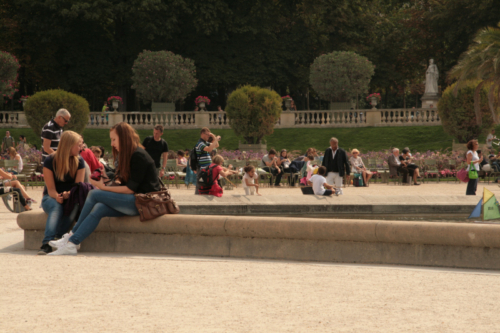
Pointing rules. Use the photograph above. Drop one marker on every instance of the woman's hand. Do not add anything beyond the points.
(98, 184)
(65, 195)
(60, 198)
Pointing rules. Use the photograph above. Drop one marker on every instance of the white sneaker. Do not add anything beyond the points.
(57, 244)
(67, 250)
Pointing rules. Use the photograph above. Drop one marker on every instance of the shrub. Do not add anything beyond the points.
(42, 106)
(163, 76)
(341, 75)
(457, 113)
(8, 74)
(252, 112)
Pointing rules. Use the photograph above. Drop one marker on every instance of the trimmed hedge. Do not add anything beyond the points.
(42, 106)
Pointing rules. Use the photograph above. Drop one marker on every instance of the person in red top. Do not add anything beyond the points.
(217, 171)
(89, 157)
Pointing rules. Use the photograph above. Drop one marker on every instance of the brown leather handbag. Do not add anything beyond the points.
(154, 204)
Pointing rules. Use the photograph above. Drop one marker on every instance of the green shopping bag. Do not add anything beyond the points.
(472, 171)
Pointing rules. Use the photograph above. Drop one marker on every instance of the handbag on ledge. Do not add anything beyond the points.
(153, 204)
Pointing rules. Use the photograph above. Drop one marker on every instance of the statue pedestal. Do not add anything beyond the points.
(430, 101)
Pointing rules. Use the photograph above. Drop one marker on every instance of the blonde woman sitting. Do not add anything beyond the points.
(359, 167)
(14, 156)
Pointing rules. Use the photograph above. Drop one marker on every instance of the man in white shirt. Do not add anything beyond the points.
(318, 183)
(489, 140)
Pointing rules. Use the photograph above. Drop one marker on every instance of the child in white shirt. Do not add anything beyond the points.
(318, 183)
(250, 181)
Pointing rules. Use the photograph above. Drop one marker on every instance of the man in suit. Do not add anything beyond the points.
(395, 167)
(336, 163)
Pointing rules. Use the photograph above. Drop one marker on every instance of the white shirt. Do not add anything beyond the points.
(20, 165)
(251, 180)
(397, 160)
(333, 153)
(318, 181)
(475, 157)
(489, 140)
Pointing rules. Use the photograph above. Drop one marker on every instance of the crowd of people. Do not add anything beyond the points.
(81, 185)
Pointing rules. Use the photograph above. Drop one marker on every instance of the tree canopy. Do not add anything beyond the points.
(88, 47)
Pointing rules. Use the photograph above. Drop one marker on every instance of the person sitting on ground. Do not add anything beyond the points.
(310, 167)
(250, 181)
(359, 167)
(269, 163)
(137, 173)
(395, 166)
(181, 160)
(217, 171)
(10, 180)
(413, 169)
(318, 183)
(14, 156)
(61, 170)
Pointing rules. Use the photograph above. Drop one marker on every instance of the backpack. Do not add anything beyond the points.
(193, 159)
(205, 178)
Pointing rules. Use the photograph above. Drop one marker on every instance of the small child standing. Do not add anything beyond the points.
(250, 180)
(319, 183)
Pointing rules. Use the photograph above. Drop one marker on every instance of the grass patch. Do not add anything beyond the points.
(365, 139)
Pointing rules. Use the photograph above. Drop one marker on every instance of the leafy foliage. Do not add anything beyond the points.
(8, 74)
(457, 112)
(482, 61)
(340, 76)
(253, 111)
(163, 76)
(42, 106)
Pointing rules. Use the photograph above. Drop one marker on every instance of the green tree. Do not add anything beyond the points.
(482, 62)
(163, 76)
(341, 76)
(458, 115)
(253, 111)
(42, 106)
(8, 74)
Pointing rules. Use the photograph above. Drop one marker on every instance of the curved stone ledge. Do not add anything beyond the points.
(373, 231)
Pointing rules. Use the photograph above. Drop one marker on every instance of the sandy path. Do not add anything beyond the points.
(126, 293)
(123, 294)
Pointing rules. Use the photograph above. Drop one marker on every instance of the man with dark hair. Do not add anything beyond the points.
(337, 165)
(52, 131)
(206, 144)
(269, 163)
(318, 183)
(156, 147)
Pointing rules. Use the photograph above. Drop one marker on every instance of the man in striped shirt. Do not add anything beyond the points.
(52, 131)
(203, 150)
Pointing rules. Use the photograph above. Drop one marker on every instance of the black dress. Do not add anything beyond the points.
(411, 167)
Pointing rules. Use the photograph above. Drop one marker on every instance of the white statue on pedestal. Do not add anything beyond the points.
(431, 79)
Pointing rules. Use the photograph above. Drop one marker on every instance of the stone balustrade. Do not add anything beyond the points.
(219, 120)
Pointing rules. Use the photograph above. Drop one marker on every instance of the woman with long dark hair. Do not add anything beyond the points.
(136, 173)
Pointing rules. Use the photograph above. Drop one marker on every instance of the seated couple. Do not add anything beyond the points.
(401, 165)
(318, 183)
(135, 172)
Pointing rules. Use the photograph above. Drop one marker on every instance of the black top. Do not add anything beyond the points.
(155, 148)
(53, 132)
(143, 177)
(67, 184)
(341, 163)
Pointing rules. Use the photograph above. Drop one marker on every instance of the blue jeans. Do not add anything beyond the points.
(57, 224)
(100, 204)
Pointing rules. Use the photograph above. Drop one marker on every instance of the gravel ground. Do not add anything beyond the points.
(127, 293)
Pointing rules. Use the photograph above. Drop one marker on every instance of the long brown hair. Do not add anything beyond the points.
(128, 141)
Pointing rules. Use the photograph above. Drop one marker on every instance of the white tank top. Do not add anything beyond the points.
(475, 157)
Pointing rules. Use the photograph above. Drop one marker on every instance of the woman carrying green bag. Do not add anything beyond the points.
(473, 161)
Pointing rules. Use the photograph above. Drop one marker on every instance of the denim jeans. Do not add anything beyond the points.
(57, 224)
(100, 204)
